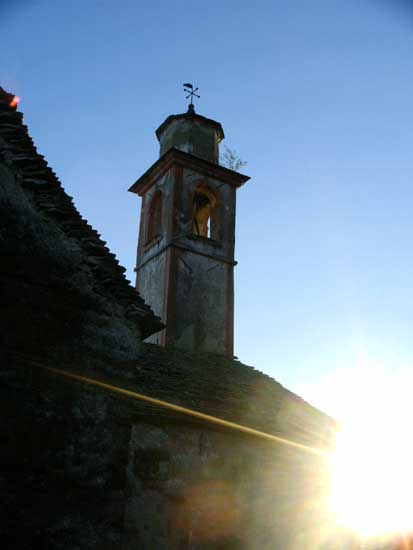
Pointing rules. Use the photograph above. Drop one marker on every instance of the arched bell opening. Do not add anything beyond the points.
(154, 225)
(205, 213)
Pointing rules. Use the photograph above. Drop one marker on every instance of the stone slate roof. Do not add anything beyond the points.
(226, 388)
(33, 172)
(212, 384)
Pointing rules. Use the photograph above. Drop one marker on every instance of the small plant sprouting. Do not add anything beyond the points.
(231, 160)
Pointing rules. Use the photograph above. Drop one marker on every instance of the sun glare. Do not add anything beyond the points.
(372, 466)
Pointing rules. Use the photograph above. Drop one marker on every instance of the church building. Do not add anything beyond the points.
(127, 421)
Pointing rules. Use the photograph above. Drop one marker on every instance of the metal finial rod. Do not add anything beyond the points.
(191, 91)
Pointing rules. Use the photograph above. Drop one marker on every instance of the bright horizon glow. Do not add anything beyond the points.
(372, 476)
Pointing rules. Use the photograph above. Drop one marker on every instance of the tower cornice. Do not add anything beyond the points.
(176, 156)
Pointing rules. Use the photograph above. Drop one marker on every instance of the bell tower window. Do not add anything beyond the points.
(205, 214)
(154, 217)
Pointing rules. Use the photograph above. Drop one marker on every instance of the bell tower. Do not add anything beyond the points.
(185, 260)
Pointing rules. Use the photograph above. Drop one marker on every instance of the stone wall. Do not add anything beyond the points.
(62, 465)
(195, 488)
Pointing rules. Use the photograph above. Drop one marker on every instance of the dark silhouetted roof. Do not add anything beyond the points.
(51, 200)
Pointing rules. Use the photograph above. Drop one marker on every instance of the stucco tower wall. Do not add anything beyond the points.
(201, 302)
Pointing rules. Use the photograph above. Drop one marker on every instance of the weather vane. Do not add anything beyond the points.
(191, 91)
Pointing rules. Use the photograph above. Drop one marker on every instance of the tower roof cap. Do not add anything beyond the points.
(191, 115)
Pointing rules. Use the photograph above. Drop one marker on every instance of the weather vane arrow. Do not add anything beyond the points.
(191, 91)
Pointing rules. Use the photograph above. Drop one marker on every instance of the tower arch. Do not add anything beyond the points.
(154, 217)
(205, 212)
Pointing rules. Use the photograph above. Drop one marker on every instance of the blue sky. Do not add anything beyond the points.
(316, 96)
